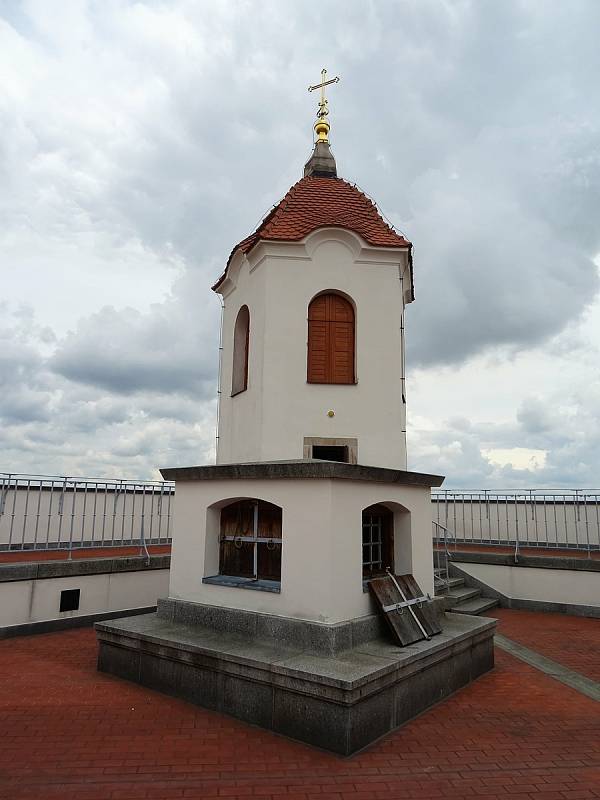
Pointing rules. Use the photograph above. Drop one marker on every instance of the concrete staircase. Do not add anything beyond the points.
(461, 599)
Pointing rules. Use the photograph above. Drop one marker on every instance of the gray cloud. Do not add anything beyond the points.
(171, 349)
(52, 425)
(563, 427)
(141, 141)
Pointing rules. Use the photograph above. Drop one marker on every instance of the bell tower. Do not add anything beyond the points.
(312, 362)
(284, 569)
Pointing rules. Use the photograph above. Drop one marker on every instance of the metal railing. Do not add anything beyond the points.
(441, 557)
(532, 518)
(41, 512)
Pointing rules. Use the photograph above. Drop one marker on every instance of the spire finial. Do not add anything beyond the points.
(322, 125)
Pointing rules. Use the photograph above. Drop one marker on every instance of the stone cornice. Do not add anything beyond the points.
(308, 468)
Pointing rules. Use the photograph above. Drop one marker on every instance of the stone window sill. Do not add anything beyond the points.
(236, 582)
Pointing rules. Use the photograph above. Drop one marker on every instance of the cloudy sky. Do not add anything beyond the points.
(139, 141)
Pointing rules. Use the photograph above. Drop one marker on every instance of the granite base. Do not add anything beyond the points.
(329, 688)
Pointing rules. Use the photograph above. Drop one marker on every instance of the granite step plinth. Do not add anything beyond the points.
(338, 701)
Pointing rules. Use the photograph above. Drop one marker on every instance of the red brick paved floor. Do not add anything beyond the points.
(572, 641)
(34, 556)
(70, 733)
(462, 547)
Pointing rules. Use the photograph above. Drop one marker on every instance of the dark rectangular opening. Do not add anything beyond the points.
(330, 452)
(69, 599)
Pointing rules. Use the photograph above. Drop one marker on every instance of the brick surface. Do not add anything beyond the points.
(35, 556)
(70, 733)
(548, 552)
(573, 642)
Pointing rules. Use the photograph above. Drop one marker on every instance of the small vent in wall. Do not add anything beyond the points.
(330, 453)
(69, 599)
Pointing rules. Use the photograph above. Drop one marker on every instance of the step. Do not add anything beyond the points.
(459, 594)
(453, 583)
(474, 607)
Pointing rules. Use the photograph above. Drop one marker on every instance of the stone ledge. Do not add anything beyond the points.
(348, 675)
(80, 567)
(538, 562)
(341, 703)
(301, 468)
(66, 623)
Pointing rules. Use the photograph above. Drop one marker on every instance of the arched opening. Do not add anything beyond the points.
(377, 540)
(331, 334)
(250, 540)
(241, 340)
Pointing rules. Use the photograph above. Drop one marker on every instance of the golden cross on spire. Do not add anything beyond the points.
(321, 125)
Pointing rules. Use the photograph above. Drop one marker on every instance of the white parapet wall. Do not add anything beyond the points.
(574, 591)
(26, 602)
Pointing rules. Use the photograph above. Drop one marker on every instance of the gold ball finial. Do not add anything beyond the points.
(322, 130)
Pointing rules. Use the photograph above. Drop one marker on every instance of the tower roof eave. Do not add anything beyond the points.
(321, 202)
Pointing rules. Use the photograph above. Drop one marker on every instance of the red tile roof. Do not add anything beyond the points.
(316, 203)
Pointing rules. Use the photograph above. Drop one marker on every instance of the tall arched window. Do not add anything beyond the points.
(241, 338)
(330, 340)
(250, 540)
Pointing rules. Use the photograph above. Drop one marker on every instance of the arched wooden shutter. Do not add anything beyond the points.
(330, 340)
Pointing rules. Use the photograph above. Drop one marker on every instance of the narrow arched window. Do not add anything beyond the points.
(330, 340)
(377, 540)
(241, 339)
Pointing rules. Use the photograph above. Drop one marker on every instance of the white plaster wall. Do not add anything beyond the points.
(575, 587)
(240, 417)
(321, 570)
(39, 600)
(270, 420)
(15, 602)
